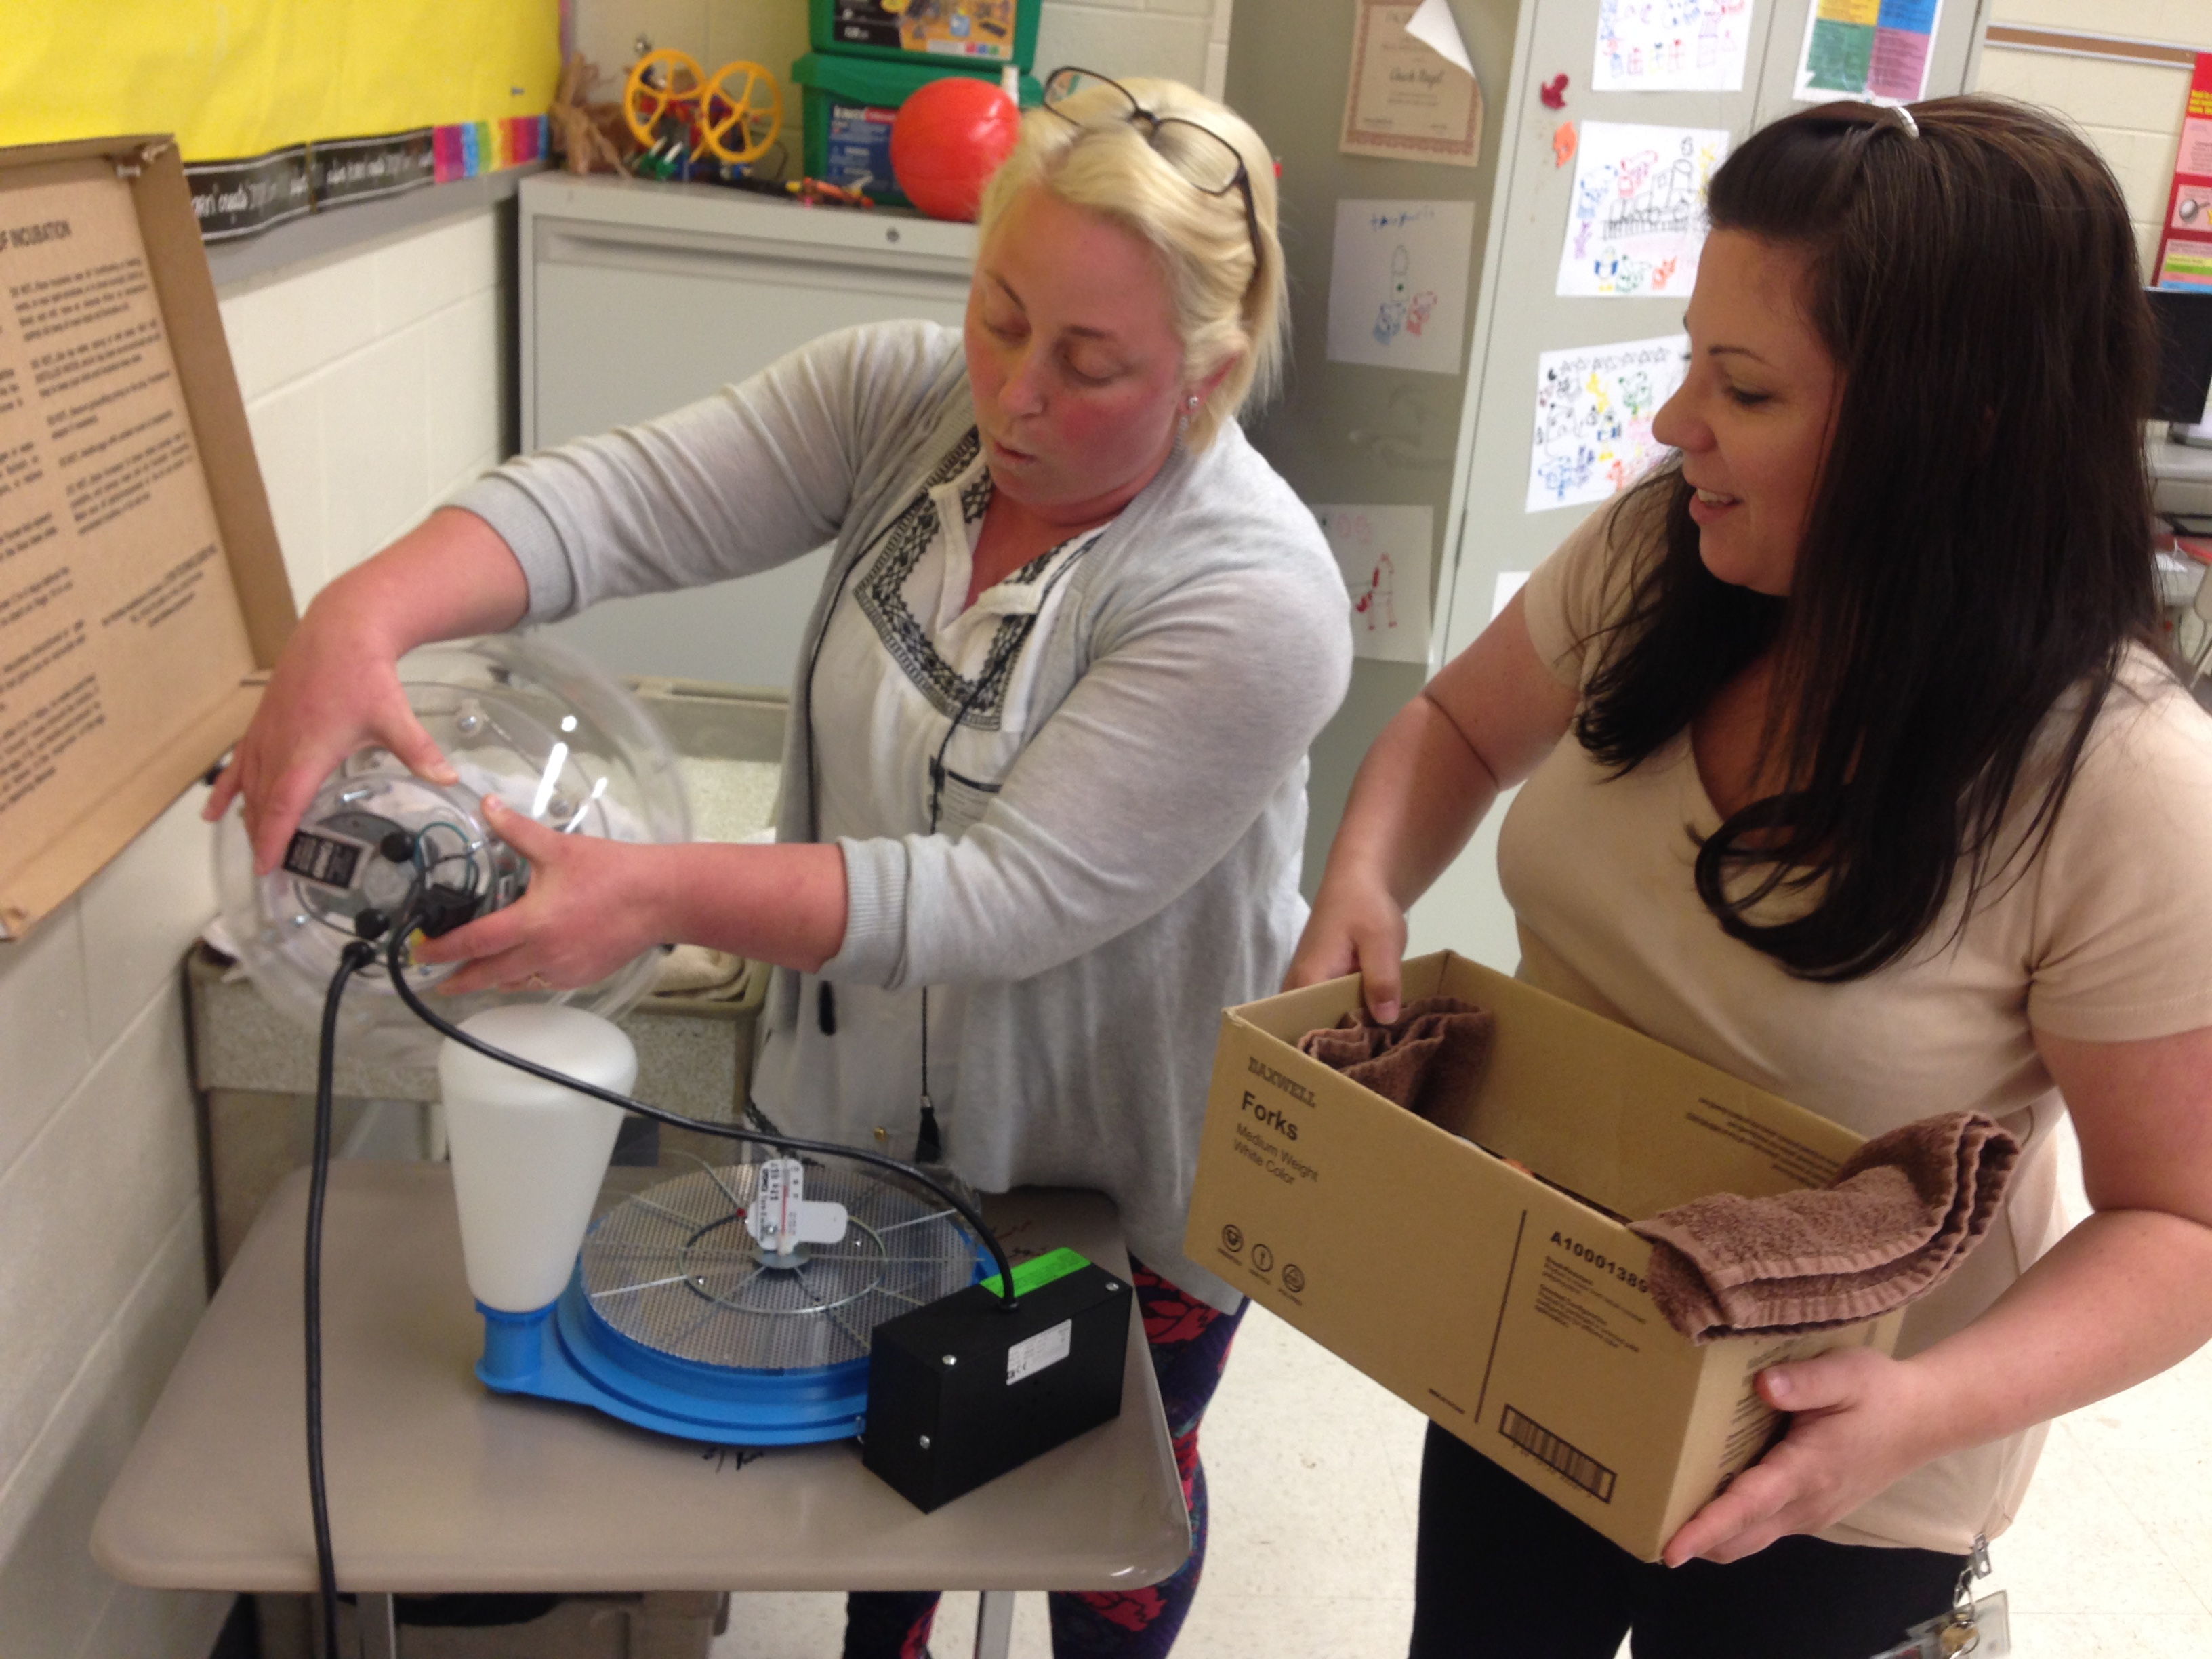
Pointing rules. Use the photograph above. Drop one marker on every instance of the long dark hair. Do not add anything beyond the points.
(1977, 545)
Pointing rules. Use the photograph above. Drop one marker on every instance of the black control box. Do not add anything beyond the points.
(960, 1391)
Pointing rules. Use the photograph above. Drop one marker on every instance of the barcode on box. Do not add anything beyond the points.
(1540, 1444)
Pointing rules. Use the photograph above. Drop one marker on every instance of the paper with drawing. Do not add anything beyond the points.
(1594, 409)
(1671, 46)
(1397, 285)
(1637, 217)
(1383, 552)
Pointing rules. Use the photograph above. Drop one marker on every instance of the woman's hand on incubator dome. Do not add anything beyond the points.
(1858, 1424)
(1356, 927)
(592, 905)
(336, 689)
(337, 686)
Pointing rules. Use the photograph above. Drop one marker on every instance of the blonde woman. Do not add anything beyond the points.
(1044, 791)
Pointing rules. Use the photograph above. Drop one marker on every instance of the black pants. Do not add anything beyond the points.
(1502, 1571)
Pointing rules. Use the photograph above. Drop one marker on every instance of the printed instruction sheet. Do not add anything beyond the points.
(118, 620)
(1397, 284)
(1594, 409)
(1637, 218)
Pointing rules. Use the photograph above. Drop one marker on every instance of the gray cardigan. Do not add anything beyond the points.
(1138, 869)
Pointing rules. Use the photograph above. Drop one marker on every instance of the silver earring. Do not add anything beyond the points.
(1191, 403)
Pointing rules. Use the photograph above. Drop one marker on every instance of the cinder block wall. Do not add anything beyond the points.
(372, 382)
(2132, 111)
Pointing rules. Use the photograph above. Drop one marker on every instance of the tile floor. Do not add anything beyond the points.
(1313, 1472)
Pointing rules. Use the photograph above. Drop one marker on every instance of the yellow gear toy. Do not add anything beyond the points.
(734, 116)
(752, 109)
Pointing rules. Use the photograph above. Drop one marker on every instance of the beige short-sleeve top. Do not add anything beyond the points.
(2106, 936)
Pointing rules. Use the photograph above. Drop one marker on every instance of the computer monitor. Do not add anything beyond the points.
(2184, 357)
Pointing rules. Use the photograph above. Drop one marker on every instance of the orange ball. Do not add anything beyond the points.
(947, 141)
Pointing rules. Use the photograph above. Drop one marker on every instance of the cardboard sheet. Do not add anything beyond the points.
(123, 638)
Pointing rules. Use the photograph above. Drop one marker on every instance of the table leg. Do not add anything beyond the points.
(995, 1624)
(380, 1626)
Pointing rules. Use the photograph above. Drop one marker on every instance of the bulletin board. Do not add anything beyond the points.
(235, 78)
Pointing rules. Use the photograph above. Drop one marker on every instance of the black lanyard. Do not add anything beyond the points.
(928, 1145)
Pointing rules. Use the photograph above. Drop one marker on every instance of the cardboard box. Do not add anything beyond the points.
(1510, 1310)
(141, 585)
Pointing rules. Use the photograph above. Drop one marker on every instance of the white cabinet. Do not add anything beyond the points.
(637, 298)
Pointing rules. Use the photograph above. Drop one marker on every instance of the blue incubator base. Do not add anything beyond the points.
(567, 1350)
(675, 1319)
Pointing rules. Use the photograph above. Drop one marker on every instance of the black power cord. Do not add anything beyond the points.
(357, 955)
(929, 1142)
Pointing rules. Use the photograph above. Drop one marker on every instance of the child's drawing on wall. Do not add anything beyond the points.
(1637, 219)
(1594, 409)
(1384, 555)
(1398, 284)
(1379, 606)
(1403, 311)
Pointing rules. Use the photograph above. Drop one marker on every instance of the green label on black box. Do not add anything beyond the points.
(1042, 1270)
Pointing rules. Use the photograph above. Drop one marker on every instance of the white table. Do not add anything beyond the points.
(437, 1485)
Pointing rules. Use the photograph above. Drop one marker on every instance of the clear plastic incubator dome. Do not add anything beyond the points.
(519, 717)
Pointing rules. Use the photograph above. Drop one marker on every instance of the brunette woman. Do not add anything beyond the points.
(1847, 765)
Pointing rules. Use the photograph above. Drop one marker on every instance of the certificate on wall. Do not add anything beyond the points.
(1413, 96)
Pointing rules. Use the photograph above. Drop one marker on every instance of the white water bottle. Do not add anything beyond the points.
(529, 1155)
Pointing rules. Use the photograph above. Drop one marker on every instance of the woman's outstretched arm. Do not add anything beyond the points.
(1480, 726)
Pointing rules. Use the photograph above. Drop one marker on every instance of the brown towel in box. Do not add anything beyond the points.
(1897, 1217)
(1429, 1060)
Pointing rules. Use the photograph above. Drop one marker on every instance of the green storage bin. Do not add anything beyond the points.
(990, 32)
(847, 104)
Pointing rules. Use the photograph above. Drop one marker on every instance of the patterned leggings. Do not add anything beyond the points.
(1189, 1343)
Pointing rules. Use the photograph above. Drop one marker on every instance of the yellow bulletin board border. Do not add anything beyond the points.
(240, 78)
